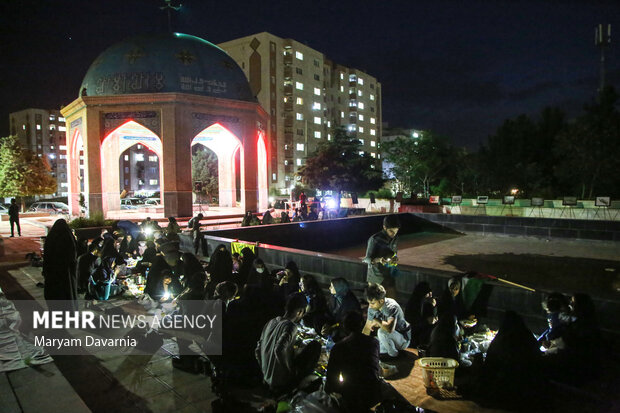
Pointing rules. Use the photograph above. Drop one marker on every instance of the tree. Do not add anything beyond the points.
(588, 151)
(204, 169)
(519, 154)
(419, 163)
(23, 173)
(337, 165)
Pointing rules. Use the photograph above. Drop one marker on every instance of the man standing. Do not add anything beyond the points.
(283, 365)
(387, 318)
(14, 217)
(194, 226)
(381, 255)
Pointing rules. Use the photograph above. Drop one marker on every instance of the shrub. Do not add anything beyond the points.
(96, 220)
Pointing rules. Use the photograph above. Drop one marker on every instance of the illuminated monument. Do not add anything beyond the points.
(168, 93)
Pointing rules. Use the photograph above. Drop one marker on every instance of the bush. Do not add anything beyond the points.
(96, 220)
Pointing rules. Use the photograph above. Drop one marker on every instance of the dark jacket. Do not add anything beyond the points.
(356, 358)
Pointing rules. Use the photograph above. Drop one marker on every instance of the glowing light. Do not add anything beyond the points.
(340, 378)
(330, 203)
(148, 231)
(514, 191)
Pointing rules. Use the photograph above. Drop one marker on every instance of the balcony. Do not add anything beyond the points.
(288, 90)
(288, 59)
(288, 72)
(288, 121)
(288, 106)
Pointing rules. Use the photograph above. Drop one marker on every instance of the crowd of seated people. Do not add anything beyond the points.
(263, 309)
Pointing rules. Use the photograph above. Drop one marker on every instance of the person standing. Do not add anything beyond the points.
(59, 265)
(194, 226)
(381, 255)
(14, 217)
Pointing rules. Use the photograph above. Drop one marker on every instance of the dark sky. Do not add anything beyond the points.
(457, 67)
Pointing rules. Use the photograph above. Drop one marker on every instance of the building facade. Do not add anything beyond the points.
(306, 96)
(43, 132)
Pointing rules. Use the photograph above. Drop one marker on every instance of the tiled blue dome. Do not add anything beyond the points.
(170, 62)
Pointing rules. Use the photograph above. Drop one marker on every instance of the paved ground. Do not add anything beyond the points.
(557, 264)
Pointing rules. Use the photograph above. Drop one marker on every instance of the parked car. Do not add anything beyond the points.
(128, 203)
(3, 209)
(151, 202)
(49, 207)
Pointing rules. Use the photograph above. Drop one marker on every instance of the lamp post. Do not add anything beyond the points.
(169, 7)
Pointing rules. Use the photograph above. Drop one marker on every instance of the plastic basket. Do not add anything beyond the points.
(438, 372)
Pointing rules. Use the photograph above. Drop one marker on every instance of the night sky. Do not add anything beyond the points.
(457, 67)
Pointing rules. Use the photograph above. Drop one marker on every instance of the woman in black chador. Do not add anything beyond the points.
(59, 264)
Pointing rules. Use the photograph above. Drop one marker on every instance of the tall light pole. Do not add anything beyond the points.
(169, 8)
(602, 39)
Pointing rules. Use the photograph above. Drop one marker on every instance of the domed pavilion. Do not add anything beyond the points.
(166, 93)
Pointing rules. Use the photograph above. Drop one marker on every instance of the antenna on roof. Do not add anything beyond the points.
(169, 8)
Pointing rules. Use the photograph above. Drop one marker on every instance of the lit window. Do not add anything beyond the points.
(372, 97)
(352, 78)
(352, 104)
(378, 156)
(274, 177)
(63, 156)
(317, 91)
(359, 93)
(352, 128)
(341, 76)
(342, 114)
(361, 140)
(152, 158)
(317, 134)
(360, 105)
(52, 127)
(38, 127)
(374, 155)
(372, 132)
(342, 88)
(360, 117)
(299, 86)
(64, 184)
(152, 181)
(61, 119)
(126, 157)
(360, 81)
(62, 128)
(23, 127)
(52, 147)
(139, 157)
(299, 101)
(373, 143)
(298, 162)
(316, 106)
(317, 120)
(372, 120)
(361, 153)
(329, 123)
(286, 162)
(361, 128)
(52, 117)
(63, 147)
(329, 136)
(300, 146)
(299, 116)
(299, 55)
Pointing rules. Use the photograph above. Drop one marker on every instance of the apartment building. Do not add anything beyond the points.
(307, 96)
(43, 132)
